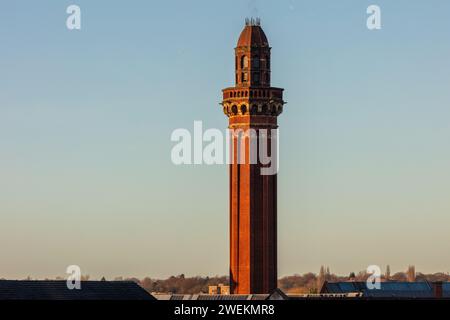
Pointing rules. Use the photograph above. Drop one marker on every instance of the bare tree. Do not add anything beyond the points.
(387, 275)
(411, 273)
(321, 278)
(85, 277)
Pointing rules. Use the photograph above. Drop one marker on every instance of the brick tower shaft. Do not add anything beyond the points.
(252, 105)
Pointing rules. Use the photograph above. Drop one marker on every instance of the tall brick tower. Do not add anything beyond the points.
(252, 104)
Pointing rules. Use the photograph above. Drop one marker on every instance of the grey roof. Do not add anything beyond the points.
(278, 294)
(213, 297)
(446, 289)
(390, 289)
(57, 290)
(216, 297)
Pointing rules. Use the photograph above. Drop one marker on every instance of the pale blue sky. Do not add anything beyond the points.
(86, 118)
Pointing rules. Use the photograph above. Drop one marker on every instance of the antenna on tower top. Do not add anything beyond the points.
(253, 21)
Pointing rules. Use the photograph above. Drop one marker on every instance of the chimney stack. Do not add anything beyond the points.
(437, 289)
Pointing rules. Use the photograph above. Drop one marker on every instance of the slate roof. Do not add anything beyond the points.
(446, 289)
(212, 297)
(389, 289)
(57, 290)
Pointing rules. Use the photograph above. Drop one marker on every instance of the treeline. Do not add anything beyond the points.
(179, 284)
(312, 283)
(306, 283)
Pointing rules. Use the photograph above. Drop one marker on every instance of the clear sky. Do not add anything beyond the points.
(86, 117)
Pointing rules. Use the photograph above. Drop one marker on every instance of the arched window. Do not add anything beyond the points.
(256, 78)
(244, 62)
(255, 62)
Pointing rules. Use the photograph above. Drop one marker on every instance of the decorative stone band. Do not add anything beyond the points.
(252, 101)
(255, 109)
(236, 93)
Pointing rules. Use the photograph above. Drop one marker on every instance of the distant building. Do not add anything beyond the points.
(57, 290)
(337, 291)
(276, 295)
(219, 289)
(390, 289)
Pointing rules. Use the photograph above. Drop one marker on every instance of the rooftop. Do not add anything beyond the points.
(57, 290)
(252, 35)
(389, 289)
